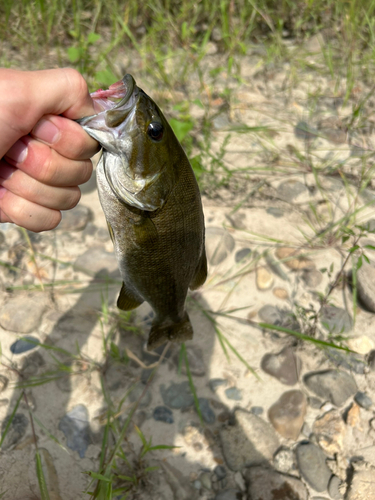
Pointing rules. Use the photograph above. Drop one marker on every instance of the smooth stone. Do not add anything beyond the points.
(256, 410)
(312, 465)
(220, 471)
(90, 230)
(294, 259)
(371, 360)
(208, 414)
(219, 244)
(24, 344)
(214, 383)
(336, 320)
(363, 400)
(163, 414)
(330, 432)
(333, 385)
(362, 485)
(288, 413)
(333, 488)
(3, 383)
(361, 345)
(270, 314)
(304, 131)
(96, 260)
(75, 219)
(312, 278)
(353, 415)
(177, 396)
(230, 494)
(276, 212)
(280, 293)
(266, 484)
(197, 484)
(75, 426)
(285, 460)
(205, 479)
(16, 431)
(22, 314)
(290, 190)
(285, 366)
(348, 361)
(264, 278)
(366, 285)
(233, 393)
(135, 394)
(195, 361)
(31, 364)
(315, 403)
(251, 441)
(242, 254)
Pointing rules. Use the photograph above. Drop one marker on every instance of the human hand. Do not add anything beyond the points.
(44, 156)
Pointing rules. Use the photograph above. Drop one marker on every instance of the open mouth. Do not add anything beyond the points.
(117, 95)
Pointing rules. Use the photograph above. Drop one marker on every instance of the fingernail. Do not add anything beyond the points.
(46, 131)
(18, 152)
(2, 192)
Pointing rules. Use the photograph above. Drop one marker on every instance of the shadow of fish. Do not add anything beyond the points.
(152, 205)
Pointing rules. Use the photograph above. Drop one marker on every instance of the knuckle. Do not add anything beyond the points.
(77, 82)
(72, 198)
(86, 171)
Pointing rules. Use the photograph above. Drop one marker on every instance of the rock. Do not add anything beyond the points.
(330, 431)
(220, 471)
(333, 385)
(179, 484)
(75, 426)
(315, 44)
(348, 361)
(267, 484)
(285, 366)
(242, 254)
(371, 360)
(276, 212)
(305, 132)
(256, 410)
(31, 364)
(195, 360)
(177, 395)
(214, 383)
(208, 414)
(333, 129)
(3, 383)
(219, 244)
(163, 414)
(96, 260)
(264, 278)
(312, 465)
(336, 320)
(291, 190)
(312, 278)
(230, 494)
(361, 345)
(280, 293)
(75, 219)
(362, 485)
(233, 393)
(197, 484)
(22, 314)
(24, 344)
(251, 441)
(333, 488)
(363, 400)
(270, 314)
(288, 413)
(205, 479)
(353, 415)
(294, 259)
(366, 285)
(16, 430)
(315, 403)
(135, 394)
(285, 461)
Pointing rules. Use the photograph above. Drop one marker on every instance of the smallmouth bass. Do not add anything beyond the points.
(152, 205)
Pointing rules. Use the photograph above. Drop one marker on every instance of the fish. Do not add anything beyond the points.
(152, 205)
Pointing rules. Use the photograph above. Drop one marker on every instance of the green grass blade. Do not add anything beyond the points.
(10, 420)
(41, 478)
(191, 384)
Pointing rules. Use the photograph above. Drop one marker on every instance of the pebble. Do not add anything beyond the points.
(257, 410)
(288, 413)
(312, 465)
(330, 432)
(294, 259)
(214, 383)
(197, 484)
(291, 190)
(270, 314)
(303, 130)
(208, 414)
(195, 360)
(24, 344)
(285, 460)
(366, 285)
(371, 360)
(16, 431)
(285, 366)
(315, 403)
(333, 385)
(363, 400)
(280, 293)
(220, 471)
(312, 278)
(348, 361)
(136, 392)
(75, 219)
(336, 320)
(219, 244)
(75, 426)
(362, 486)
(249, 442)
(230, 494)
(353, 415)
(233, 393)
(3, 383)
(163, 414)
(266, 484)
(97, 260)
(242, 254)
(177, 396)
(205, 479)
(22, 314)
(333, 488)
(361, 345)
(264, 278)
(276, 212)
(31, 364)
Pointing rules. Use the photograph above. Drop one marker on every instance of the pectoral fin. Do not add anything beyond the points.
(127, 300)
(200, 273)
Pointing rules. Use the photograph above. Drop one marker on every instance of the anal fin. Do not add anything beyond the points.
(173, 332)
(200, 273)
(127, 300)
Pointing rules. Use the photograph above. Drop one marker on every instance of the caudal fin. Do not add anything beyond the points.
(168, 331)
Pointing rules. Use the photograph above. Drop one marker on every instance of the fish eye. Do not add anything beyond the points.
(155, 131)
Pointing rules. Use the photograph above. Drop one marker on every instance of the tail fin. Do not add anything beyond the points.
(168, 331)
